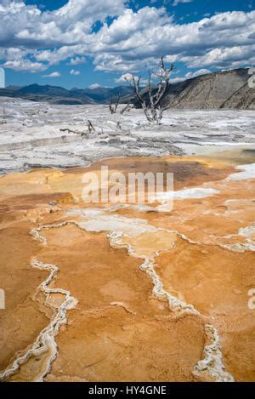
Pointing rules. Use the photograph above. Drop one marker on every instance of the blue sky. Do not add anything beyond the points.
(78, 43)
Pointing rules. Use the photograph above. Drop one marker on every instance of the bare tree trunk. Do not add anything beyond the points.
(126, 108)
(152, 106)
(114, 106)
(90, 127)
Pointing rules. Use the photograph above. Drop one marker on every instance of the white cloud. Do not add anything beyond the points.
(138, 45)
(94, 86)
(21, 23)
(85, 9)
(126, 77)
(77, 60)
(200, 72)
(176, 2)
(177, 80)
(24, 65)
(74, 72)
(223, 57)
(190, 75)
(32, 40)
(53, 75)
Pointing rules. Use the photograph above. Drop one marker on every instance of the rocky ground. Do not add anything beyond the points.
(39, 134)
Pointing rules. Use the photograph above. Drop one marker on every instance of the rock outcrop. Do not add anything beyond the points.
(214, 91)
(228, 89)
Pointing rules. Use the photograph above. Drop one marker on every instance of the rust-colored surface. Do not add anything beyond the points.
(121, 329)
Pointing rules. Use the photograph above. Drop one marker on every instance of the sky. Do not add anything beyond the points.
(91, 43)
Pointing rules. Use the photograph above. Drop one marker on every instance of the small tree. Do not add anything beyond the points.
(151, 100)
(3, 121)
(113, 106)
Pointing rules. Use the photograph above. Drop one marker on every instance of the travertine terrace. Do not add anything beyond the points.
(130, 293)
(152, 290)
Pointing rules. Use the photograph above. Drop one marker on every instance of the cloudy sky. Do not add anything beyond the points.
(79, 43)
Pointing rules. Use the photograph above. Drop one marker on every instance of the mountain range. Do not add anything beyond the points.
(218, 90)
(59, 95)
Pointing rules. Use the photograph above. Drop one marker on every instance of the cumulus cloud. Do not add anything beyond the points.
(32, 39)
(224, 57)
(190, 75)
(53, 75)
(28, 25)
(126, 77)
(176, 2)
(24, 65)
(77, 60)
(94, 86)
(200, 72)
(190, 43)
(74, 72)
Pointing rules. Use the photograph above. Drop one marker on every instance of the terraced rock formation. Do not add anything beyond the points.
(97, 292)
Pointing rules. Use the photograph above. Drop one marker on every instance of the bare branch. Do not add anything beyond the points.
(150, 100)
(126, 108)
(90, 127)
(113, 106)
(152, 107)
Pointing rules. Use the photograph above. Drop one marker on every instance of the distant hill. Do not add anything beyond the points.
(228, 89)
(59, 95)
(218, 90)
(51, 94)
(104, 94)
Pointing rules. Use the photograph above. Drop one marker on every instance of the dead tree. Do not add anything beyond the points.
(3, 121)
(127, 108)
(151, 100)
(113, 106)
(90, 127)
